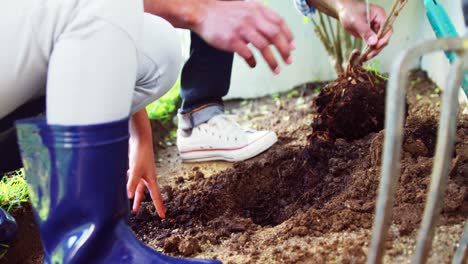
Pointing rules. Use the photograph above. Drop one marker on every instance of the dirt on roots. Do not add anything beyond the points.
(308, 193)
(350, 107)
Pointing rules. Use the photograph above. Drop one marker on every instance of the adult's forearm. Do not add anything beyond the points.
(180, 13)
(329, 7)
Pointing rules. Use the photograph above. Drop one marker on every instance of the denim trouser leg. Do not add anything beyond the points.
(205, 80)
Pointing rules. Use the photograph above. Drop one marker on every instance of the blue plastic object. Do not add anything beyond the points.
(77, 176)
(7, 227)
(443, 28)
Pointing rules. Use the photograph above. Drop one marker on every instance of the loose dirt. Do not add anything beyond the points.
(298, 202)
(26, 248)
(314, 203)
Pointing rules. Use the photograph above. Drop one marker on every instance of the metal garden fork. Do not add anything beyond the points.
(395, 109)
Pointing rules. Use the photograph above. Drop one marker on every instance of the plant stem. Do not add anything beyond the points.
(320, 30)
(339, 50)
(324, 27)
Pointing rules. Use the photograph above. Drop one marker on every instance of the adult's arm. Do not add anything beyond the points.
(353, 17)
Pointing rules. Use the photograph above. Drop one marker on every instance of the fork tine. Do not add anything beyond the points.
(442, 161)
(394, 118)
(394, 109)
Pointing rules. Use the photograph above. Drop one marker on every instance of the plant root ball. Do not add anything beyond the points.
(351, 107)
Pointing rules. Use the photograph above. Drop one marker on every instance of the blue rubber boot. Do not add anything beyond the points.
(77, 178)
(7, 227)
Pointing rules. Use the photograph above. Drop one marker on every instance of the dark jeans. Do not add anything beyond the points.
(10, 158)
(205, 80)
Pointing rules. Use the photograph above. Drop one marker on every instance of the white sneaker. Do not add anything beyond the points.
(221, 138)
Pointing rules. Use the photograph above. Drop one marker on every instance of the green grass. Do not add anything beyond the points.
(13, 190)
(165, 107)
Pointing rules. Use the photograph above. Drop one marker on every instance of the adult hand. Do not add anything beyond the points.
(142, 168)
(352, 15)
(232, 25)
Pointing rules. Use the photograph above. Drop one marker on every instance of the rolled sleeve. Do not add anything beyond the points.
(304, 8)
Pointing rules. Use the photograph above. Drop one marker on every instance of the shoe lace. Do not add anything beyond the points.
(224, 127)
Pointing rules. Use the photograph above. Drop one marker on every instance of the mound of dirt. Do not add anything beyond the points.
(270, 210)
(329, 187)
(303, 201)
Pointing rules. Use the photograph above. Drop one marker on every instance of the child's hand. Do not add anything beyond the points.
(142, 168)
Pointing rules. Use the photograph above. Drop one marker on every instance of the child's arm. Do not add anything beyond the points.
(142, 168)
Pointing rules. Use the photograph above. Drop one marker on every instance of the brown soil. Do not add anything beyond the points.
(293, 205)
(27, 247)
(267, 210)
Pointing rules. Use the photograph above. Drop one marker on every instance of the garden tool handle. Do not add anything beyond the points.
(439, 19)
(443, 28)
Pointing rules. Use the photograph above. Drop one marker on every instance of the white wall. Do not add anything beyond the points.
(310, 59)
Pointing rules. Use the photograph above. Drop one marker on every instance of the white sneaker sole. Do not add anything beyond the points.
(234, 154)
